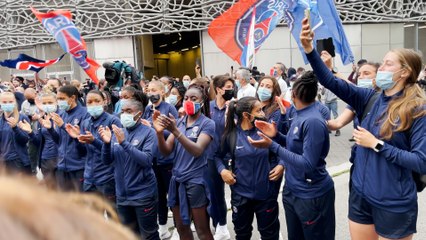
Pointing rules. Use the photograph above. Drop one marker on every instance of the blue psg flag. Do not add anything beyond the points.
(25, 62)
(324, 21)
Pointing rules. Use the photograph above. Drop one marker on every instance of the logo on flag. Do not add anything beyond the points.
(231, 30)
(25, 62)
(58, 23)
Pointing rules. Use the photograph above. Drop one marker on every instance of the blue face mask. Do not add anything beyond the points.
(127, 120)
(63, 105)
(8, 107)
(238, 84)
(95, 111)
(172, 99)
(264, 94)
(384, 80)
(365, 83)
(49, 108)
(186, 84)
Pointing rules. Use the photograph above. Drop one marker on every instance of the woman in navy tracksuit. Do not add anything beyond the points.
(391, 144)
(13, 140)
(267, 90)
(162, 165)
(98, 177)
(130, 151)
(190, 139)
(252, 172)
(224, 89)
(44, 140)
(308, 194)
(71, 153)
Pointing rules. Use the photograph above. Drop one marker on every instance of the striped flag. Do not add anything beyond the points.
(25, 62)
(248, 56)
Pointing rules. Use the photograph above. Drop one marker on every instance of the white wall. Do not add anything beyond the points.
(111, 49)
(369, 41)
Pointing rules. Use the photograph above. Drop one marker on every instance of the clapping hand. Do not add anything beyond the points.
(105, 134)
(119, 133)
(72, 130)
(25, 126)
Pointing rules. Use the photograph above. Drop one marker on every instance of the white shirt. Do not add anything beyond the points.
(247, 91)
(283, 86)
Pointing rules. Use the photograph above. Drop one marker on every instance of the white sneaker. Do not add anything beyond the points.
(192, 227)
(164, 232)
(175, 235)
(222, 233)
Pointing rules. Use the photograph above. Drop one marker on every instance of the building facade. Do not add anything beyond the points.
(122, 29)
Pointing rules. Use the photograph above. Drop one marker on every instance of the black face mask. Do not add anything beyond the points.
(228, 95)
(256, 118)
(154, 98)
(31, 101)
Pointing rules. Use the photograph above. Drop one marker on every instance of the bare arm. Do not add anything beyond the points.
(344, 119)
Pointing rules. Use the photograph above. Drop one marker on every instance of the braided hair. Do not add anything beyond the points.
(305, 88)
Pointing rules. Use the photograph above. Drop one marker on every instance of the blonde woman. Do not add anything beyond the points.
(391, 143)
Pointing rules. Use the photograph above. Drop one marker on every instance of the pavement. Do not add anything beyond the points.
(338, 167)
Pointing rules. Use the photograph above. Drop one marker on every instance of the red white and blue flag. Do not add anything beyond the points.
(25, 62)
(249, 51)
(231, 30)
(59, 24)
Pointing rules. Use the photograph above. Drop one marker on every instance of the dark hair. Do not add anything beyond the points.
(181, 89)
(306, 87)
(361, 62)
(138, 95)
(205, 94)
(373, 64)
(236, 109)
(70, 91)
(276, 91)
(96, 92)
(219, 81)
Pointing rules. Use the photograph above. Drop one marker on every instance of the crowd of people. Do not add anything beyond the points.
(173, 144)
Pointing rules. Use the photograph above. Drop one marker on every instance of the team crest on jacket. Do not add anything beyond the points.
(295, 130)
(135, 142)
(194, 132)
(76, 121)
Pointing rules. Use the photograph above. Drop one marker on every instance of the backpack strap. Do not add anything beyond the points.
(232, 141)
(369, 105)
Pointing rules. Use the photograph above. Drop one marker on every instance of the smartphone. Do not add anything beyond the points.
(308, 15)
(326, 45)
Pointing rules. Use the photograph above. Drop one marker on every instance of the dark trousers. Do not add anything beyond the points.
(310, 219)
(13, 166)
(141, 219)
(106, 190)
(217, 195)
(163, 173)
(33, 154)
(48, 168)
(70, 180)
(243, 211)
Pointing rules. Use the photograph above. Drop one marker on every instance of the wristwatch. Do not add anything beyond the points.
(379, 146)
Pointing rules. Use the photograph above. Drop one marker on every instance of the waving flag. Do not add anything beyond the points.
(25, 62)
(325, 23)
(58, 23)
(230, 31)
(248, 55)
